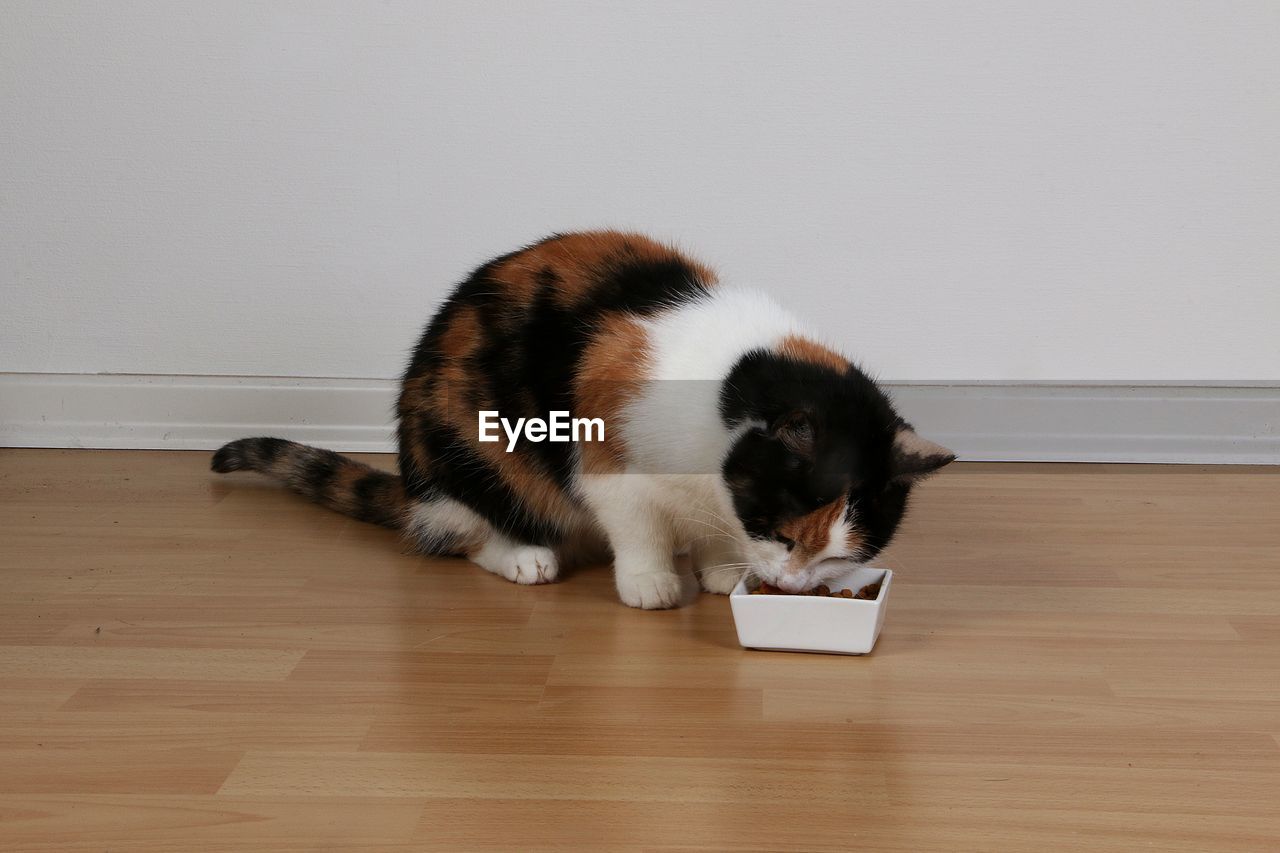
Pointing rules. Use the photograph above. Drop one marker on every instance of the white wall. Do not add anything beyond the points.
(1005, 191)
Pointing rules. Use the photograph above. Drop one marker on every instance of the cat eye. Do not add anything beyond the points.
(789, 543)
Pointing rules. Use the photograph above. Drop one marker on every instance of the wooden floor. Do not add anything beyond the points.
(1075, 658)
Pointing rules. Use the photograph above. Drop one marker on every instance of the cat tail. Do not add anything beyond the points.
(328, 478)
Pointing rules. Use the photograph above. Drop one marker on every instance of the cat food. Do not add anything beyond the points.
(867, 593)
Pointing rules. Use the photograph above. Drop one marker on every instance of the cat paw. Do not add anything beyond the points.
(533, 565)
(526, 564)
(719, 581)
(650, 590)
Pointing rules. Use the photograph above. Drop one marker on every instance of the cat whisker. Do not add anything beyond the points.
(706, 523)
(724, 533)
(709, 518)
(889, 562)
(716, 571)
(713, 536)
(709, 513)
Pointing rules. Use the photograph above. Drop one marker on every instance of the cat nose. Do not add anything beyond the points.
(792, 583)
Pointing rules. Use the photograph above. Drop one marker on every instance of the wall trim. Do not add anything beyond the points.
(1046, 422)
(193, 412)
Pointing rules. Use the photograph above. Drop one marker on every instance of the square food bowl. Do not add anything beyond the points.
(812, 623)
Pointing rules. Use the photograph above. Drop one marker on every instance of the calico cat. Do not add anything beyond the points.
(728, 432)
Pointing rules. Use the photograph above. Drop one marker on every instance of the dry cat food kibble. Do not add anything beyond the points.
(868, 593)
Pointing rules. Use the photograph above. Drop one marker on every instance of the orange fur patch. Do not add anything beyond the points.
(812, 532)
(460, 336)
(613, 371)
(342, 490)
(416, 447)
(451, 388)
(803, 349)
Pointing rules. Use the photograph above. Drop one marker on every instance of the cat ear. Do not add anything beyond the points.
(915, 458)
(795, 431)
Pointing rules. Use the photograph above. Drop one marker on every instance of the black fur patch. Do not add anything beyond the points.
(465, 476)
(315, 471)
(642, 287)
(374, 497)
(549, 345)
(248, 454)
(267, 450)
(228, 458)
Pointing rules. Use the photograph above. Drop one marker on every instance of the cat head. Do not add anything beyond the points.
(821, 469)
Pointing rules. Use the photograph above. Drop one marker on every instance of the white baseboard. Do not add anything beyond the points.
(193, 412)
(980, 421)
(1219, 424)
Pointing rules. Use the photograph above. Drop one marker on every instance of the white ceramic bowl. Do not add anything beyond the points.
(812, 623)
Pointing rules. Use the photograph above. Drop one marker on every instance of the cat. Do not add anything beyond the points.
(729, 433)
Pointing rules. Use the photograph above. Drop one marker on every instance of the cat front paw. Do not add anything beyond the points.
(653, 590)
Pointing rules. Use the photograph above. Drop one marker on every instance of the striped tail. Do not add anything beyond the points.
(328, 478)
